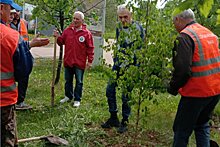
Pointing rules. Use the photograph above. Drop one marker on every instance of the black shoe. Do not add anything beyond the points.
(123, 127)
(111, 122)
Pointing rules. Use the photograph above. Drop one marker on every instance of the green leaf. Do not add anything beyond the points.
(183, 6)
(206, 7)
(218, 17)
(218, 20)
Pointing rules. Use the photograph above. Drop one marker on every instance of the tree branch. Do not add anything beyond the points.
(93, 6)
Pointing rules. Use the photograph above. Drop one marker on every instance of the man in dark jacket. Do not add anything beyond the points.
(20, 25)
(127, 33)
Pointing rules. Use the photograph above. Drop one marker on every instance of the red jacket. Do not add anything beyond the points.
(205, 64)
(8, 42)
(78, 47)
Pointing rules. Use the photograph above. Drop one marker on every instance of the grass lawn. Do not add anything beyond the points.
(81, 126)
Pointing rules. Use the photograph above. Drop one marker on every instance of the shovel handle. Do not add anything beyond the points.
(31, 139)
(54, 68)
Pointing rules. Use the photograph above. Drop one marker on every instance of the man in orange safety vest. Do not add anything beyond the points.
(196, 77)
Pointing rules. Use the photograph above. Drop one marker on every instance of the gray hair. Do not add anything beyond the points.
(122, 8)
(80, 13)
(186, 14)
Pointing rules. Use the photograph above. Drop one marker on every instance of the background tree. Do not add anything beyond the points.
(207, 12)
(111, 15)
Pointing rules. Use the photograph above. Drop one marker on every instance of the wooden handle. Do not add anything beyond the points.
(31, 139)
(54, 69)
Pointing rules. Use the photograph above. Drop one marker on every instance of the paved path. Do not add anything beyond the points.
(48, 52)
(44, 52)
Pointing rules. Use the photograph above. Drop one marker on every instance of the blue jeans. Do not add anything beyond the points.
(193, 114)
(111, 97)
(69, 73)
(22, 89)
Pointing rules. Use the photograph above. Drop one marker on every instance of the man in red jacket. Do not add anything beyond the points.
(78, 55)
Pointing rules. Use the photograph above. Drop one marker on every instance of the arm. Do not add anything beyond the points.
(182, 61)
(23, 60)
(60, 38)
(38, 42)
(90, 50)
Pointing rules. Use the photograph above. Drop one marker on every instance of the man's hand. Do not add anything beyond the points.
(88, 66)
(38, 42)
(56, 33)
(172, 91)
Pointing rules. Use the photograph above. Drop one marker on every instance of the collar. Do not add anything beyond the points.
(125, 27)
(192, 22)
(77, 29)
(18, 21)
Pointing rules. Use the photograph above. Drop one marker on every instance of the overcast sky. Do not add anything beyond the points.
(159, 4)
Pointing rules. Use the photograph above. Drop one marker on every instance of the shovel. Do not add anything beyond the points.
(51, 139)
(54, 68)
(213, 143)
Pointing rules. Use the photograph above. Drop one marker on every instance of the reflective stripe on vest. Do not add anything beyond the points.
(202, 61)
(8, 88)
(6, 75)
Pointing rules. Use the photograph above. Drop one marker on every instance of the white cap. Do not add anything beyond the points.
(13, 11)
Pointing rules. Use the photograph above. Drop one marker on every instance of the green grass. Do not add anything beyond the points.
(81, 126)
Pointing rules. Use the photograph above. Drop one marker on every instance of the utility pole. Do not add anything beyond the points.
(103, 17)
(35, 26)
(23, 11)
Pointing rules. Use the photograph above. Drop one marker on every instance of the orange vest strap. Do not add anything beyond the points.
(23, 30)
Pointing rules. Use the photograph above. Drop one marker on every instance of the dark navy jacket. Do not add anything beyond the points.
(22, 59)
(127, 41)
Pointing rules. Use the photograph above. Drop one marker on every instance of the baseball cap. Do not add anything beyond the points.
(12, 4)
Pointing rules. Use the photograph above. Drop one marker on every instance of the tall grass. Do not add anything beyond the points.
(81, 126)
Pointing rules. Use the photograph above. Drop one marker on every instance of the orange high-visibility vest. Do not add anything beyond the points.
(205, 79)
(22, 29)
(8, 40)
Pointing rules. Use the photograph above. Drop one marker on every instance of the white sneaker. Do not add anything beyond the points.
(65, 99)
(76, 104)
